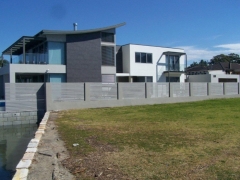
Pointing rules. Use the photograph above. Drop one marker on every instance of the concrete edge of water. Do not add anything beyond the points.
(24, 165)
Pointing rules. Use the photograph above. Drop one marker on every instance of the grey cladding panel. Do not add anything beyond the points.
(84, 57)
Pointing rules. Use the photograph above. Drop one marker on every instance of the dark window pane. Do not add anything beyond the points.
(149, 79)
(108, 56)
(149, 58)
(107, 37)
(137, 57)
(143, 58)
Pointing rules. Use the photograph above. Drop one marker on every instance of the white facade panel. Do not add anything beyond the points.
(154, 69)
(224, 76)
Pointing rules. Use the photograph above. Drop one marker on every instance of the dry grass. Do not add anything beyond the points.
(198, 140)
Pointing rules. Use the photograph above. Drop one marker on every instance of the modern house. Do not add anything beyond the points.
(89, 56)
(142, 63)
(219, 72)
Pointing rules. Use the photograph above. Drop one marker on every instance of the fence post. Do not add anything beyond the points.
(86, 92)
(147, 90)
(190, 89)
(48, 96)
(238, 88)
(119, 91)
(208, 89)
(171, 89)
(224, 88)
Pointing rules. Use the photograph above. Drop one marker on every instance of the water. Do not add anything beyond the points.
(13, 144)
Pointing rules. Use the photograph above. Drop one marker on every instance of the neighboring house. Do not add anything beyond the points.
(219, 72)
(89, 56)
(142, 63)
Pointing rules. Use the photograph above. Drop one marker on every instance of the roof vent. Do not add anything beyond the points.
(74, 26)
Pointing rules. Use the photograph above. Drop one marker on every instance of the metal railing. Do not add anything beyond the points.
(31, 58)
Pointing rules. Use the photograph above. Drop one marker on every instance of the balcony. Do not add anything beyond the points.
(174, 70)
(31, 58)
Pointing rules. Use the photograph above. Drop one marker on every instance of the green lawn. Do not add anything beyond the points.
(197, 140)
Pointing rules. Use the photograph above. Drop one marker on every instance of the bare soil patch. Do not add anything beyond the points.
(51, 151)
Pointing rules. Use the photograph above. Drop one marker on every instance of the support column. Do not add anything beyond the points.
(86, 92)
(11, 57)
(24, 54)
(130, 79)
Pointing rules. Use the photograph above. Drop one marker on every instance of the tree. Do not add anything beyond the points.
(232, 57)
(200, 63)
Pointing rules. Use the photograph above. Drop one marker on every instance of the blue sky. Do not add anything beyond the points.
(204, 28)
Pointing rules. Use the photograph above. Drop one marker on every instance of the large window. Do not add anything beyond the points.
(107, 37)
(172, 63)
(108, 56)
(56, 53)
(141, 57)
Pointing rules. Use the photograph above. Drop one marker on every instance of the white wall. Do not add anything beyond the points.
(226, 76)
(216, 72)
(199, 78)
(210, 77)
(147, 69)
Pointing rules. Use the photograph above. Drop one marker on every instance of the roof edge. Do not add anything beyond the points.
(79, 31)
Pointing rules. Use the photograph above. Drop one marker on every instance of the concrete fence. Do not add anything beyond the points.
(94, 95)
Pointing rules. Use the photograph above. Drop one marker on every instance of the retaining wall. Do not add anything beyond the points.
(18, 118)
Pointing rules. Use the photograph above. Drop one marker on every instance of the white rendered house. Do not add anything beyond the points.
(142, 63)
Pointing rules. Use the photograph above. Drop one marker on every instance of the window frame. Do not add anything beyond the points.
(142, 56)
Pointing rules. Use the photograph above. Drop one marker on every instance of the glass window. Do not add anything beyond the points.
(107, 37)
(56, 53)
(57, 78)
(137, 57)
(149, 58)
(149, 79)
(143, 58)
(108, 56)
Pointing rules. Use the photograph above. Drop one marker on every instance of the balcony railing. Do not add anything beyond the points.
(31, 58)
(175, 67)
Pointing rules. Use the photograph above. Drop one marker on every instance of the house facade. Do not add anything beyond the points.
(142, 63)
(214, 73)
(89, 56)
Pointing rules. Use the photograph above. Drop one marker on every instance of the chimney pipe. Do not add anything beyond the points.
(75, 26)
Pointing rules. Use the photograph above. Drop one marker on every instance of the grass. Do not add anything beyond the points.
(197, 140)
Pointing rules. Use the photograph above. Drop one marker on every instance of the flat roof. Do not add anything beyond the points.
(149, 45)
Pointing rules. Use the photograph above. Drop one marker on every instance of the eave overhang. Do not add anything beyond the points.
(17, 47)
(57, 32)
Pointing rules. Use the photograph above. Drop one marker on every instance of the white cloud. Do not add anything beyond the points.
(229, 46)
(196, 54)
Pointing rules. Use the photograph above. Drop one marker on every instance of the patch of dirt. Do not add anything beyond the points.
(53, 161)
(51, 151)
(94, 165)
